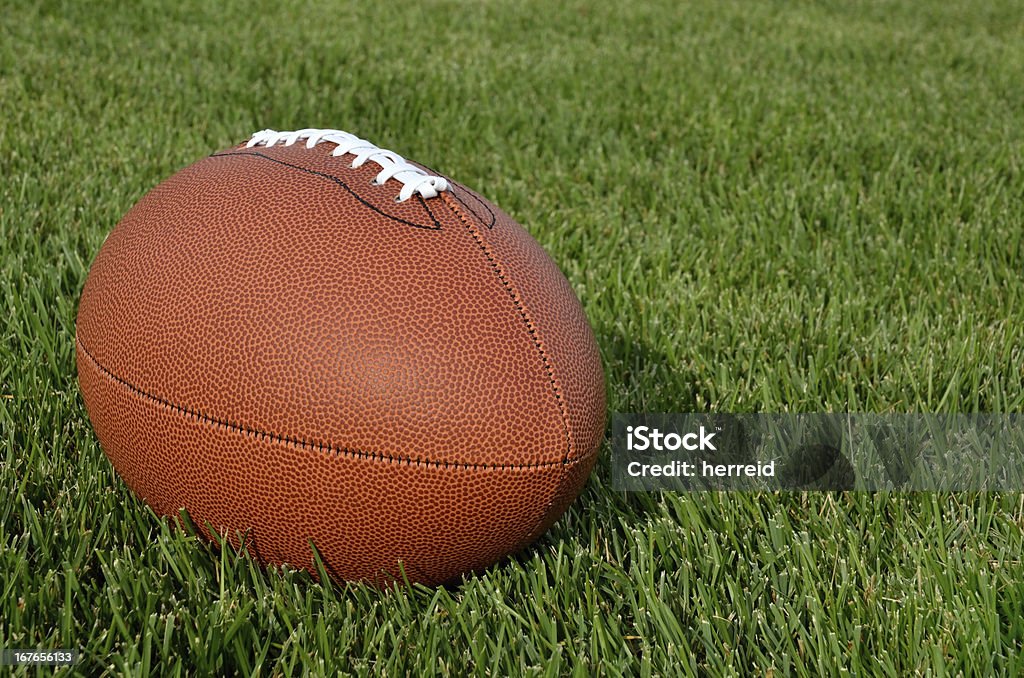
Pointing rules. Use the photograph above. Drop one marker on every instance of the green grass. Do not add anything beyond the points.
(763, 206)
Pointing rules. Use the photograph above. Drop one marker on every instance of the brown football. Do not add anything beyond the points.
(308, 340)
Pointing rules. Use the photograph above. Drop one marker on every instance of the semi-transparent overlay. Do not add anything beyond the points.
(821, 451)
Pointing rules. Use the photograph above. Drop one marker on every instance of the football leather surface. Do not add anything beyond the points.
(276, 342)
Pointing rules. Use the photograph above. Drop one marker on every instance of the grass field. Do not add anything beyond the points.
(763, 206)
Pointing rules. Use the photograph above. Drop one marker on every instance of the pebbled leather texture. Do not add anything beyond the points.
(275, 345)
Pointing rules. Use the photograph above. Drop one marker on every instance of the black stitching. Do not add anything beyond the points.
(529, 327)
(472, 211)
(478, 199)
(304, 444)
(427, 208)
(329, 177)
(482, 203)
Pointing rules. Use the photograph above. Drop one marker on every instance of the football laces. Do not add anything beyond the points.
(414, 180)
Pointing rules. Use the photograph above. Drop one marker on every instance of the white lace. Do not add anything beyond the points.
(393, 166)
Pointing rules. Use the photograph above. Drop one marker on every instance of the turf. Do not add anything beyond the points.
(763, 206)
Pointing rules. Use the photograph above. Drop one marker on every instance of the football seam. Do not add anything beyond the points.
(531, 328)
(567, 462)
(337, 450)
(336, 180)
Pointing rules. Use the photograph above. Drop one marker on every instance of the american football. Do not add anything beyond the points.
(308, 341)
